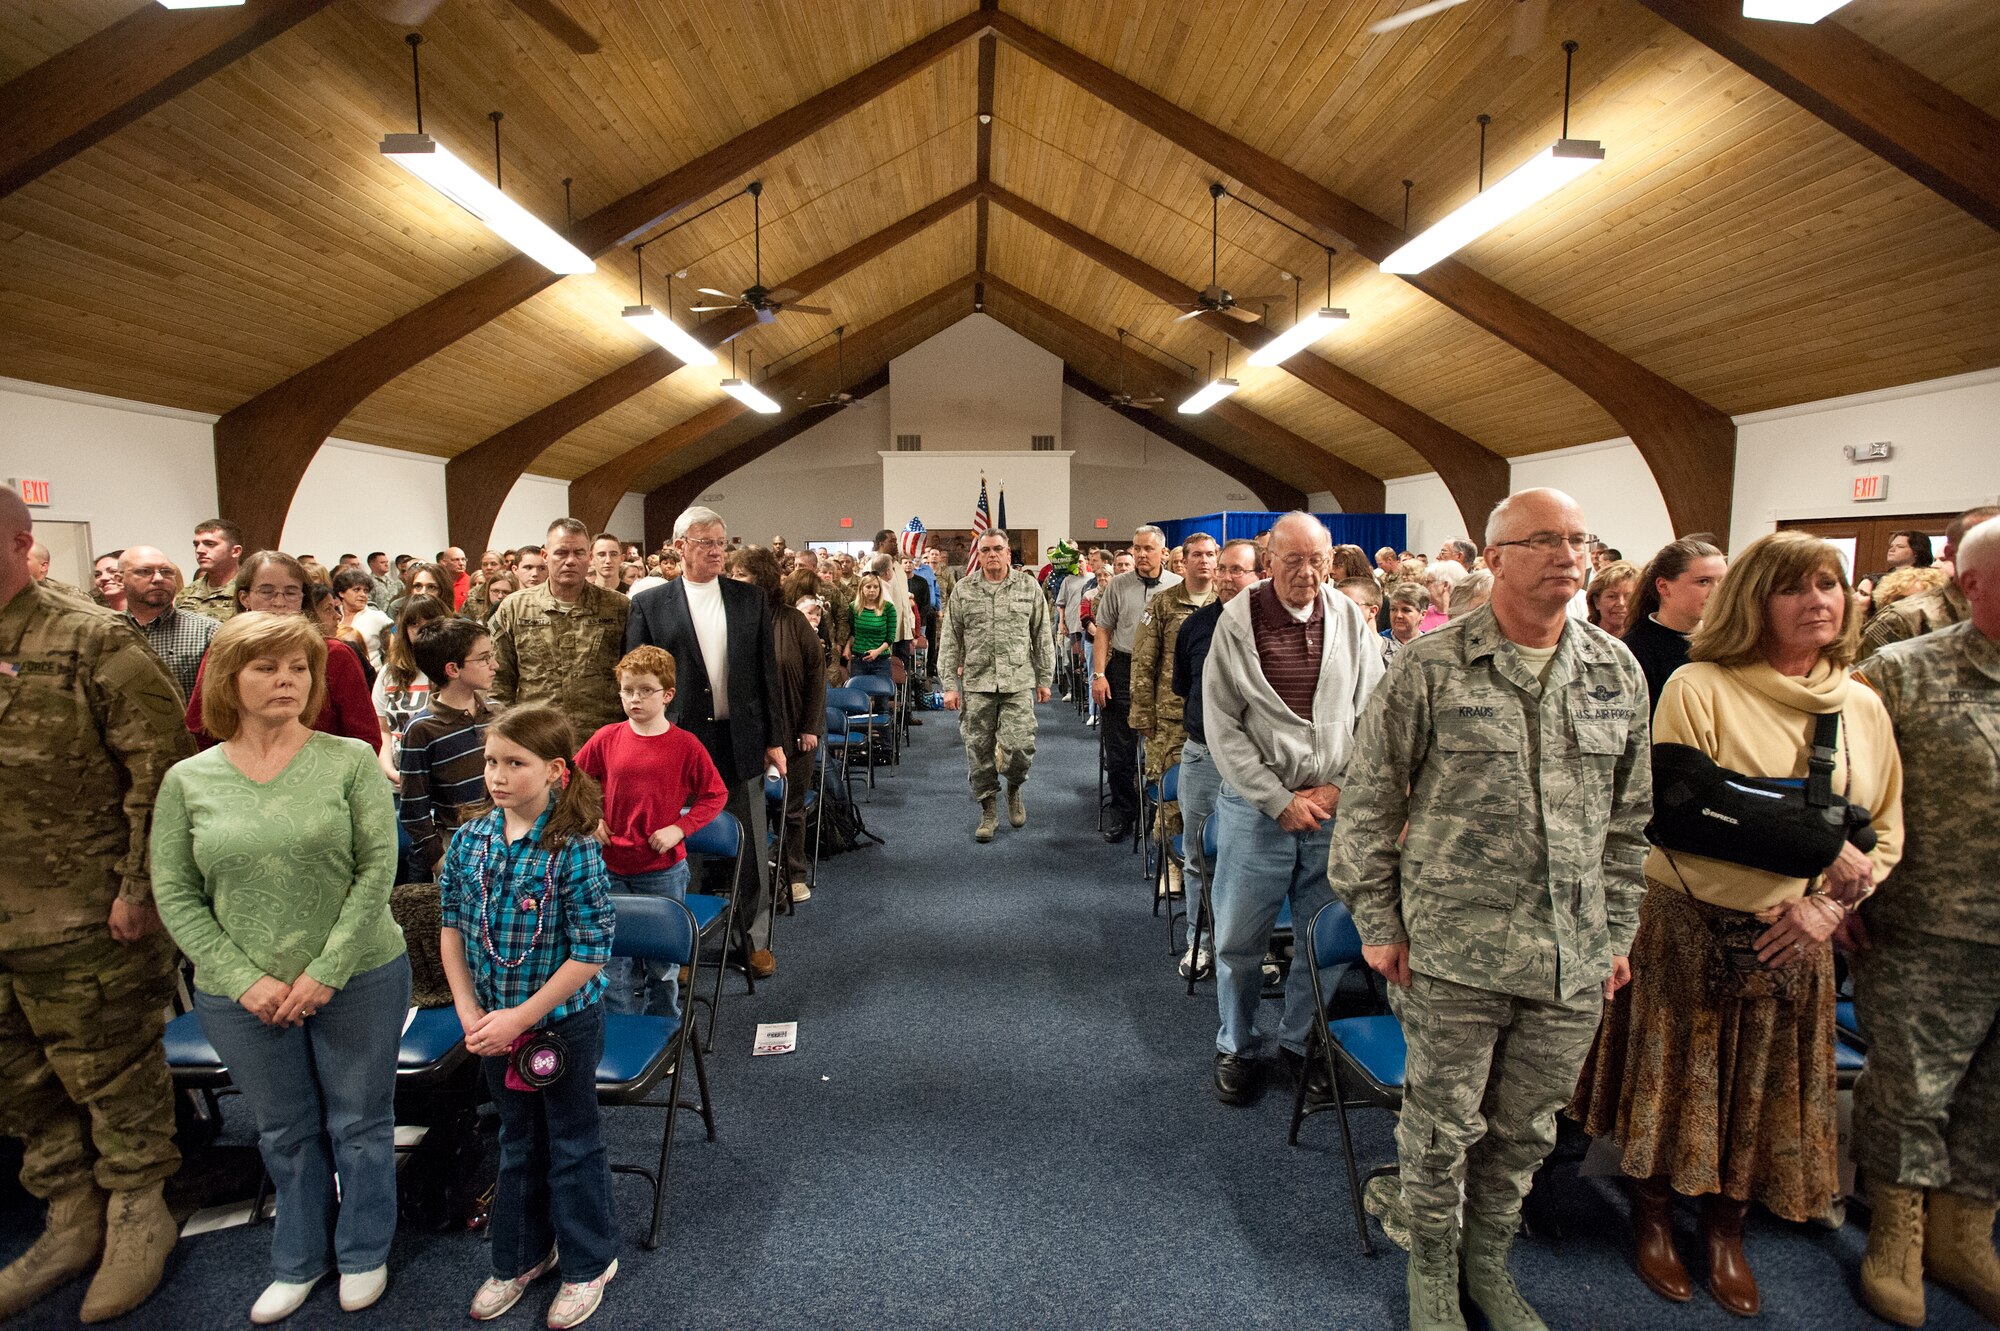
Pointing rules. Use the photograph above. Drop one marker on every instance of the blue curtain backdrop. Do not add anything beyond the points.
(1370, 531)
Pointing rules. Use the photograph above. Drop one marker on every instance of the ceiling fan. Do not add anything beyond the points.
(839, 397)
(1214, 299)
(1530, 17)
(1124, 396)
(766, 303)
(410, 13)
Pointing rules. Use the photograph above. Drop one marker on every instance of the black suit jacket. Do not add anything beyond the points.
(660, 618)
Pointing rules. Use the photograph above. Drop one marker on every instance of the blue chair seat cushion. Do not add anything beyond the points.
(1176, 843)
(632, 1042)
(706, 909)
(1375, 1044)
(433, 1033)
(1844, 1018)
(1284, 924)
(1847, 1057)
(187, 1047)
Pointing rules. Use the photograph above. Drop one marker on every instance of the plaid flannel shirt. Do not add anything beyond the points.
(579, 923)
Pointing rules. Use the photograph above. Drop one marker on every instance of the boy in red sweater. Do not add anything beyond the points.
(660, 786)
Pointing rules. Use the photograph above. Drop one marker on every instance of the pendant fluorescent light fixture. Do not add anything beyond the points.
(1527, 185)
(744, 391)
(199, 4)
(659, 325)
(1214, 390)
(1306, 329)
(1791, 11)
(428, 160)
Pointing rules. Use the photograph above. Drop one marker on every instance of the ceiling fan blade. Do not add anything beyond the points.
(1147, 401)
(765, 314)
(806, 309)
(1260, 300)
(1412, 15)
(711, 309)
(1247, 316)
(404, 13)
(1195, 313)
(726, 295)
(783, 296)
(1531, 19)
(560, 25)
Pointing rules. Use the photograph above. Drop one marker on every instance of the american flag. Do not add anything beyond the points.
(913, 538)
(982, 522)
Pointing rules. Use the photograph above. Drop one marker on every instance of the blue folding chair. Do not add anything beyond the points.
(1364, 1052)
(877, 713)
(1159, 846)
(1850, 1049)
(721, 838)
(641, 1050)
(839, 739)
(1204, 919)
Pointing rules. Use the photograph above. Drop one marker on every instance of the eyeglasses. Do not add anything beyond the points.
(1552, 542)
(1292, 563)
(147, 575)
(706, 543)
(292, 595)
(484, 658)
(636, 695)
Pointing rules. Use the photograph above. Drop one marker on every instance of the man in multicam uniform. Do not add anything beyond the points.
(1156, 707)
(1926, 612)
(558, 643)
(89, 723)
(1514, 744)
(218, 550)
(1927, 983)
(996, 648)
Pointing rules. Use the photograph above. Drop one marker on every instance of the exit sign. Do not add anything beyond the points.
(1867, 488)
(35, 494)
(847, 522)
(1102, 523)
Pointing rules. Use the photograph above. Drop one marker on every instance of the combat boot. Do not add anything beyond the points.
(1433, 1281)
(1892, 1272)
(138, 1234)
(1958, 1250)
(1489, 1282)
(1017, 809)
(72, 1236)
(989, 821)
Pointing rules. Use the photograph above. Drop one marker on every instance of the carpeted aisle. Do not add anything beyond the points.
(998, 1116)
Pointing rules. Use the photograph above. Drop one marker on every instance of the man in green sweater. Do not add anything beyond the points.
(89, 723)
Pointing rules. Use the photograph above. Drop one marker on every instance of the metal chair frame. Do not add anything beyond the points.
(722, 837)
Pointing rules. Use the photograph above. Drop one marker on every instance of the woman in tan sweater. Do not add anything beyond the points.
(1717, 1084)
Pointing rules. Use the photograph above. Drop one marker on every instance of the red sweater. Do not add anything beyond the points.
(648, 781)
(348, 711)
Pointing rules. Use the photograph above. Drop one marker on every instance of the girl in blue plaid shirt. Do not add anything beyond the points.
(527, 930)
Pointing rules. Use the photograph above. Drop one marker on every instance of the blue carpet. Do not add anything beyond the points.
(999, 1116)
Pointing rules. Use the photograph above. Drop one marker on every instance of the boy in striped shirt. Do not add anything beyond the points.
(443, 760)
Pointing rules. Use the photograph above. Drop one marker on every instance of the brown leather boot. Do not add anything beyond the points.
(1659, 1262)
(1729, 1278)
(1958, 1250)
(1892, 1272)
(72, 1236)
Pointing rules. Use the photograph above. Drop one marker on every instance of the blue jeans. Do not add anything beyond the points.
(554, 1188)
(1257, 865)
(881, 665)
(324, 1096)
(1199, 783)
(642, 986)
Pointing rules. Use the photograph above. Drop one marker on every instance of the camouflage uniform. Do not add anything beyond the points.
(1927, 990)
(563, 654)
(1156, 708)
(1914, 616)
(995, 651)
(89, 723)
(218, 603)
(1517, 885)
(839, 594)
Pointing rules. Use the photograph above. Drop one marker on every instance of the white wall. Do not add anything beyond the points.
(977, 385)
(1128, 475)
(1431, 512)
(806, 485)
(140, 474)
(942, 488)
(1611, 483)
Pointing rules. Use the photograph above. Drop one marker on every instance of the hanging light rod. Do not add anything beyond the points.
(1783, 11)
(1306, 329)
(423, 157)
(744, 391)
(1214, 390)
(661, 327)
(1524, 187)
(1154, 346)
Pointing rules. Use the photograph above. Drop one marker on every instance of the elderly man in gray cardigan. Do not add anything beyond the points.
(1291, 665)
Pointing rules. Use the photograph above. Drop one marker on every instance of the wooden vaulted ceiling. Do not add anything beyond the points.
(1733, 244)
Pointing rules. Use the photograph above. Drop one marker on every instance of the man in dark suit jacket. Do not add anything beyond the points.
(719, 633)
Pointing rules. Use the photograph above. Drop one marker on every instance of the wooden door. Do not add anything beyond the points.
(1865, 540)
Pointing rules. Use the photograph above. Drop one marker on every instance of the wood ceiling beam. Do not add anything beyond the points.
(989, 59)
(594, 494)
(477, 481)
(262, 447)
(1878, 101)
(81, 96)
(1274, 494)
(1354, 489)
(667, 501)
(1690, 445)
(1477, 477)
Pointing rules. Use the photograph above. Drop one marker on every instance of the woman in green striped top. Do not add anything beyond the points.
(874, 629)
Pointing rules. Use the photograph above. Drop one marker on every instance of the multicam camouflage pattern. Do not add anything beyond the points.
(83, 1075)
(1154, 702)
(1942, 691)
(1524, 800)
(90, 720)
(547, 651)
(1914, 616)
(218, 603)
(995, 636)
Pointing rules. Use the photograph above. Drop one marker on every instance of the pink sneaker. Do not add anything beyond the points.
(496, 1296)
(577, 1300)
